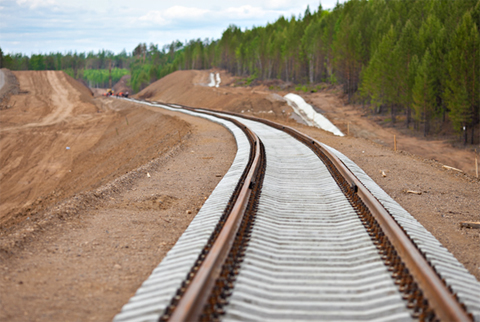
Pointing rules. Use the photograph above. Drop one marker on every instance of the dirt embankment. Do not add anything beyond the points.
(58, 141)
(122, 85)
(190, 88)
(355, 120)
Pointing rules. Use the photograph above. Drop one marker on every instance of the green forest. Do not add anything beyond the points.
(417, 60)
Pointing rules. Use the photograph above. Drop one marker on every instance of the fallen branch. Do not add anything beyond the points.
(414, 192)
(467, 224)
(452, 168)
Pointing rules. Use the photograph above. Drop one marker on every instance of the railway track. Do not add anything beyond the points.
(297, 231)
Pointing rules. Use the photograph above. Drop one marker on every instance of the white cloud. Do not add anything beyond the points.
(244, 12)
(191, 15)
(279, 4)
(173, 14)
(32, 4)
(179, 12)
(154, 16)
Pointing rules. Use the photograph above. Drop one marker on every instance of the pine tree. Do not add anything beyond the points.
(463, 84)
(379, 82)
(423, 92)
(405, 49)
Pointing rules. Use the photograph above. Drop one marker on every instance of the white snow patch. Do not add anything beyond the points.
(212, 80)
(308, 114)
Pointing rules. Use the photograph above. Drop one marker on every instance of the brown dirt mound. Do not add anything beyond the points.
(190, 88)
(122, 85)
(83, 258)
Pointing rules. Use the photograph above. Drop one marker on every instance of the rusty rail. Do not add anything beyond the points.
(194, 299)
(190, 304)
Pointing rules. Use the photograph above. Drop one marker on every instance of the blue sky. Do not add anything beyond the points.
(43, 26)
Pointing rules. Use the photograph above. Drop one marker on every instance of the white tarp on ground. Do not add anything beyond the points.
(214, 80)
(308, 114)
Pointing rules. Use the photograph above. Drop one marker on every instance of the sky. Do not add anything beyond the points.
(44, 26)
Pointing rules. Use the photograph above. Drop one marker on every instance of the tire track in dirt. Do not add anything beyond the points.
(57, 97)
(34, 158)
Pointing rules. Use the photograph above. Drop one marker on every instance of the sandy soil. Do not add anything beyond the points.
(80, 229)
(122, 85)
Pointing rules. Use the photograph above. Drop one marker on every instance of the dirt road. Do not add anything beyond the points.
(81, 228)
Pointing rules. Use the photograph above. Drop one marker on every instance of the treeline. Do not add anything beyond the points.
(93, 68)
(99, 78)
(145, 64)
(418, 60)
(151, 63)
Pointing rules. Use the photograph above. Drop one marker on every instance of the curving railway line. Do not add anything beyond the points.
(296, 231)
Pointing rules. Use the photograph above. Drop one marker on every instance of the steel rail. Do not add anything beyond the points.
(189, 307)
(433, 291)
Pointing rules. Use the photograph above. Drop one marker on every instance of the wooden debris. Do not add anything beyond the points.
(470, 224)
(452, 168)
(414, 192)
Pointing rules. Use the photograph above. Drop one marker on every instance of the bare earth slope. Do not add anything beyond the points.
(361, 126)
(191, 88)
(51, 137)
(81, 228)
